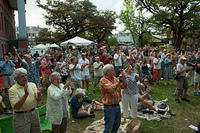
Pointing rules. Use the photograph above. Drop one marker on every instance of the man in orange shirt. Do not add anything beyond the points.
(111, 93)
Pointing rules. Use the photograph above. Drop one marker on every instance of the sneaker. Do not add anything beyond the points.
(177, 101)
(185, 99)
(195, 93)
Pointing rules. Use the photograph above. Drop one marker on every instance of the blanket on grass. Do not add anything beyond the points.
(98, 127)
(153, 115)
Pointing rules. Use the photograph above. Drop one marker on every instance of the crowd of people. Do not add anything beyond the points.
(65, 76)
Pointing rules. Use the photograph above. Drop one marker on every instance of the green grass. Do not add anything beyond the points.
(186, 113)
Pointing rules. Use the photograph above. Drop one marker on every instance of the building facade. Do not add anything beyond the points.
(32, 34)
(124, 38)
(7, 24)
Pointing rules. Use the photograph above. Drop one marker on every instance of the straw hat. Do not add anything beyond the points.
(183, 58)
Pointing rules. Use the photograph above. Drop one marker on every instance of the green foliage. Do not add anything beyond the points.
(48, 36)
(112, 41)
(44, 36)
(105, 24)
(74, 17)
(180, 16)
(128, 19)
(137, 26)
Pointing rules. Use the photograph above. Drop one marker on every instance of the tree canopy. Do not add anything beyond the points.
(73, 18)
(180, 16)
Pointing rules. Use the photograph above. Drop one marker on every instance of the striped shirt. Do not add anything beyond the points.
(111, 94)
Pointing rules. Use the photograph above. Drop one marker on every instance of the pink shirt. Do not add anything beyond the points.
(46, 69)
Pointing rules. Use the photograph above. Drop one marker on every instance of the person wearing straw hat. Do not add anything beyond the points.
(182, 83)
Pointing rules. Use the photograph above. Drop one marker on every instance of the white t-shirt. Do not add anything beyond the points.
(98, 72)
(119, 61)
(158, 66)
(86, 70)
(76, 74)
(63, 68)
(181, 67)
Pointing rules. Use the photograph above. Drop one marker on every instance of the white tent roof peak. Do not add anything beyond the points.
(40, 46)
(54, 45)
(78, 41)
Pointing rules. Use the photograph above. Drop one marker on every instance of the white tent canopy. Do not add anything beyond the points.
(54, 46)
(40, 46)
(77, 41)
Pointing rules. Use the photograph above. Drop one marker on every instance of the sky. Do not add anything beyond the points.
(35, 17)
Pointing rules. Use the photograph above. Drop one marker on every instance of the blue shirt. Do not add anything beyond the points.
(132, 87)
(6, 68)
(76, 105)
(32, 72)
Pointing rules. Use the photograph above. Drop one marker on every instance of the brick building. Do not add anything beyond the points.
(32, 34)
(7, 23)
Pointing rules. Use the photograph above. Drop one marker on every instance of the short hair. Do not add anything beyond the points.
(80, 91)
(72, 58)
(107, 67)
(18, 71)
(54, 74)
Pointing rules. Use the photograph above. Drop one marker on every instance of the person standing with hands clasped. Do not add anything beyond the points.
(57, 103)
(111, 96)
(24, 97)
(182, 82)
(98, 72)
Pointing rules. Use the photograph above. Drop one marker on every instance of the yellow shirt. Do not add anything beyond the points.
(16, 92)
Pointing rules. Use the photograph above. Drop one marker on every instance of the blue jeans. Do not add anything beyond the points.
(112, 118)
(162, 70)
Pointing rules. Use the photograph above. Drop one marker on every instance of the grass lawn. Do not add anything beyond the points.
(186, 113)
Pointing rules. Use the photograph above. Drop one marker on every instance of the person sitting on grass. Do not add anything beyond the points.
(144, 98)
(77, 108)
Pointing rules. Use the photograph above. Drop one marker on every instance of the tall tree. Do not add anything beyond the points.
(45, 36)
(74, 17)
(70, 17)
(127, 17)
(104, 25)
(181, 16)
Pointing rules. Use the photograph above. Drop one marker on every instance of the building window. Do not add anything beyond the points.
(33, 35)
(29, 35)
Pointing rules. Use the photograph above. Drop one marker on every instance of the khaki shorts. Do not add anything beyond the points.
(196, 77)
(8, 80)
(182, 83)
(84, 77)
(76, 83)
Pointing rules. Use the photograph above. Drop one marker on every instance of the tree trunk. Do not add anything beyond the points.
(178, 41)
